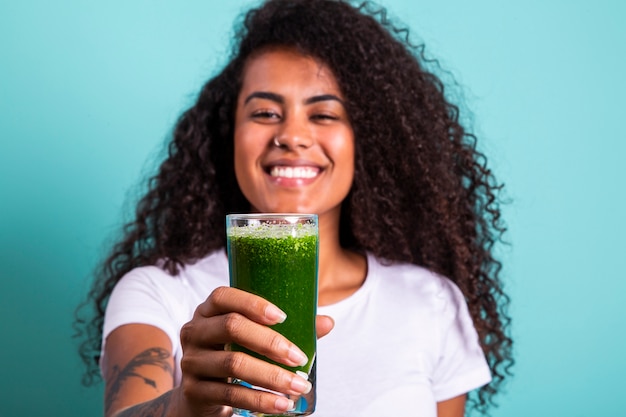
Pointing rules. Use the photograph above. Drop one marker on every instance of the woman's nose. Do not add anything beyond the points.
(293, 134)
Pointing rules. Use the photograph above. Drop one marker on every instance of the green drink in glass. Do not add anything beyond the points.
(275, 256)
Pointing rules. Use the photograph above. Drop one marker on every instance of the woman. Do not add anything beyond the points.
(323, 108)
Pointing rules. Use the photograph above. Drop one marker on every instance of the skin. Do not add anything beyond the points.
(296, 100)
(147, 389)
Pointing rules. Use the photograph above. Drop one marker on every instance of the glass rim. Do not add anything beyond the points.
(258, 216)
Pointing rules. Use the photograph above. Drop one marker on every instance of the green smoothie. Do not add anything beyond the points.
(279, 263)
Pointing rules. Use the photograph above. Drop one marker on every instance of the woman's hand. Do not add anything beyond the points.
(228, 316)
(138, 363)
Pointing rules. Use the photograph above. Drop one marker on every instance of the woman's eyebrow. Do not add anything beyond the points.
(265, 95)
(323, 97)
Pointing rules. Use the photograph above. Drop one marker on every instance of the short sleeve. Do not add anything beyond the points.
(462, 366)
(137, 298)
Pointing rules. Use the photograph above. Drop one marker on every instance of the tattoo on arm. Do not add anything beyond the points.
(152, 357)
(156, 408)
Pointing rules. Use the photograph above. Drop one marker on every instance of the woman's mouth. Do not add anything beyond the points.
(294, 172)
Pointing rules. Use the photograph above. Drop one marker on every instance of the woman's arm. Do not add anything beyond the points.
(454, 407)
(138, 363)
(137, 367)
(142, 384)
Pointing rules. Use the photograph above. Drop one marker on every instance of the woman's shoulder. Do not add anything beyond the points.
(403, 279)
(213, 268)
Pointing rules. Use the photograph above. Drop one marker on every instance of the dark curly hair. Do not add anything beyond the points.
(418, 171)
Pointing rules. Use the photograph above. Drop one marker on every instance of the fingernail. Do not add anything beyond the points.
(297, 356)
(275, 314)
(300, 384)
(284, 404)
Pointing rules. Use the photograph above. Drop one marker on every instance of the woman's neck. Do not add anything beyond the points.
(341, 271)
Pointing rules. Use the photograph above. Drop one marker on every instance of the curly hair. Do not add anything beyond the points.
(417, 170)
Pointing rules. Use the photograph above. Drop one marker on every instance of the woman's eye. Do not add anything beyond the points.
(324, 116)
(265, 114)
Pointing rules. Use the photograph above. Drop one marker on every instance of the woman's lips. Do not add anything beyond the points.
(294, 172)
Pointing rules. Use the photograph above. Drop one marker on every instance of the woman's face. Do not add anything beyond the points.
(294, 145)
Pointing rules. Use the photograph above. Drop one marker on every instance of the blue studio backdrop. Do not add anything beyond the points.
(89, 92)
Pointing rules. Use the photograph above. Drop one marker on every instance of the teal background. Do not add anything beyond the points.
(90, 90)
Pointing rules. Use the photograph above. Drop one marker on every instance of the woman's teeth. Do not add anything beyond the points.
(294, 172)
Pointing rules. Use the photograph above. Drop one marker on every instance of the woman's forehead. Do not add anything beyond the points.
(284, 66)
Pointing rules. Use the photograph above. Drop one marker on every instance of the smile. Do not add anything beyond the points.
(297, 172)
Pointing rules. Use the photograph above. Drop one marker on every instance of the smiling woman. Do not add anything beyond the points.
(293, 101)
(324, 108)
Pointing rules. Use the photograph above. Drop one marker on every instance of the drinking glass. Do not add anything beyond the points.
(275, 256)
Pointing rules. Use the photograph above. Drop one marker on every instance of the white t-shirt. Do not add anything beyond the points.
(401, 343)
